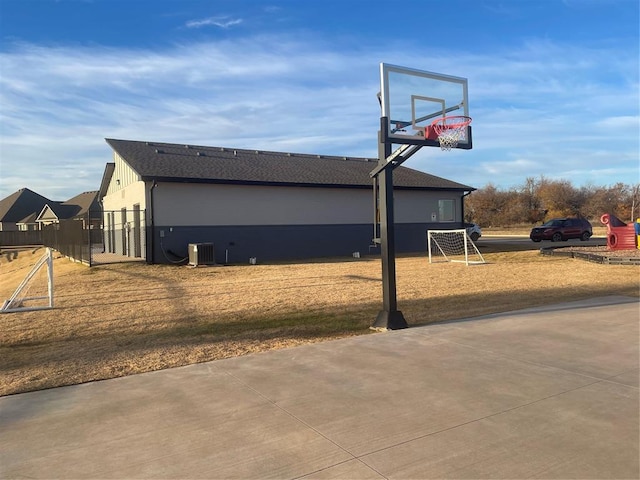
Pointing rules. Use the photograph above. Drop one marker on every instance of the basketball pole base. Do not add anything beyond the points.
(393, 320)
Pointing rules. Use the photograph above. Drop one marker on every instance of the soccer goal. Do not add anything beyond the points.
(36, 290)
(452, 246)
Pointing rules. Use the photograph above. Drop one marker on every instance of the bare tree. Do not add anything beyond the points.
(635, 201)
(537, 200)
(485, 206)
(530, 198)
(559, 198)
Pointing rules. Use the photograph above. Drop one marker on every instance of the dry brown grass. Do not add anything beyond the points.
(117, 320)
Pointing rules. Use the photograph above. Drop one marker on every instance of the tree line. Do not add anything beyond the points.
(539, 200)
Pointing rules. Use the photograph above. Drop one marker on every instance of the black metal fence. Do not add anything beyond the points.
(70, 238)
(122, 237)
(111, 237)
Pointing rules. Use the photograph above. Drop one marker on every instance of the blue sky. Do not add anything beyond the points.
(553, 84)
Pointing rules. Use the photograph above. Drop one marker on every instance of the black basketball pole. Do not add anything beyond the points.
(389, 317)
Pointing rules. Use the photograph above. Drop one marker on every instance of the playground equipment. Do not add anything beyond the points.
(621, 235)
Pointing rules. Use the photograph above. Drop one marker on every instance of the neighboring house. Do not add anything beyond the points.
(84, 207)
(18, 206)
(27, 210)
(24, 214)
(268, 205)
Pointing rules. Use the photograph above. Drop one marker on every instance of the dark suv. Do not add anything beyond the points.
(562, 229)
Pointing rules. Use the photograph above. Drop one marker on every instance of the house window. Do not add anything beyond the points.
(446, 210)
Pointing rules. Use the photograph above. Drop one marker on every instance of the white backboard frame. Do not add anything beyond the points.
(411, 99)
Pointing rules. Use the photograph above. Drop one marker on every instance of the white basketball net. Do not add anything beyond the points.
(451, 130)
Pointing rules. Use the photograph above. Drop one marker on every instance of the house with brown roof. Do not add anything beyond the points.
(158, 198)
(19, 206)
(25, 214)
(83, 207)
(28, 210)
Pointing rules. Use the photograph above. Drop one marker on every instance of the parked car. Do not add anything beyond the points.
(474, 231)
(560, 229)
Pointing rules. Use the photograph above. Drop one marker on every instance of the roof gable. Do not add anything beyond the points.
(72, 208)
(47, 214)
(189, 163)
(20, 204)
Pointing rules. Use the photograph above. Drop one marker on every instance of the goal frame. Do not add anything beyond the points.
(14, 303)
(469, 248)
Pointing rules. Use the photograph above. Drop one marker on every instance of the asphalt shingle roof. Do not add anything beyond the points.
(20, 204)
(190, 163)
(83, 203)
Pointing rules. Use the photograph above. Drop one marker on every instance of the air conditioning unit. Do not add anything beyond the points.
(201, 254)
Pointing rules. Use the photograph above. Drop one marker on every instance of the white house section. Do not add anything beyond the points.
(123, 175)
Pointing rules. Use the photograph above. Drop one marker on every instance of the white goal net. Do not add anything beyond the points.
(452, 246)
(36, 290)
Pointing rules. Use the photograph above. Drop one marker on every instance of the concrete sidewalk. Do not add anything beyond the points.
(541, 393)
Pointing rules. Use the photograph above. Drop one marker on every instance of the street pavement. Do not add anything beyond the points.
(549, 392)
(525, 241)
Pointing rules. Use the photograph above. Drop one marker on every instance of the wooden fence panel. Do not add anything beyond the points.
(19, 238)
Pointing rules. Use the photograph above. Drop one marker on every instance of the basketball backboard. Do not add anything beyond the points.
(412, 99)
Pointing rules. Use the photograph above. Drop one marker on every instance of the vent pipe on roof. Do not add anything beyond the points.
(235, 153)
(159, 151)
(201, 154)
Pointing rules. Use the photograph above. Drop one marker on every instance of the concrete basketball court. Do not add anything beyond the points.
(549, 392)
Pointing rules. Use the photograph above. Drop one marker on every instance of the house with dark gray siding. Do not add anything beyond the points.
(158, 198)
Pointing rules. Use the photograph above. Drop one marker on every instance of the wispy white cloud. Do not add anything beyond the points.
(537, 110)
(221, 21)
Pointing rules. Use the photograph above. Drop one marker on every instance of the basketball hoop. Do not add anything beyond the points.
(450, 130)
